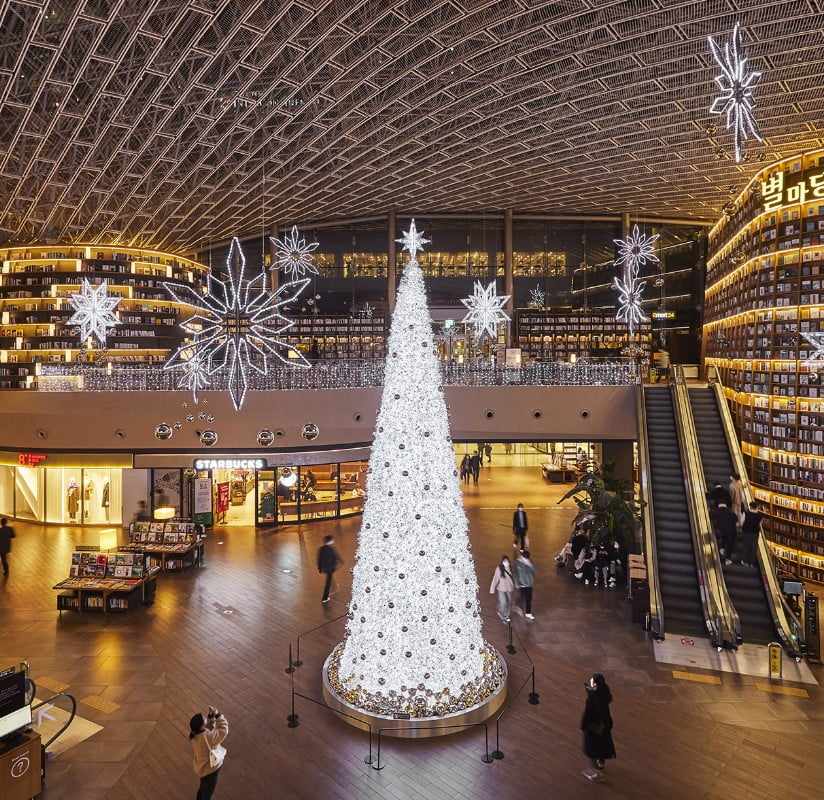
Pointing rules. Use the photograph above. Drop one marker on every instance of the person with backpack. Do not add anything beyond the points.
(206, 736)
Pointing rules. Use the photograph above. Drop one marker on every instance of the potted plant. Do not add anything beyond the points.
(609, 503)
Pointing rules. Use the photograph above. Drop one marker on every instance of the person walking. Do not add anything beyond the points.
(328, 562)
(596, 723)
(475, 464)
(6, 535)
(206, 736)
(466, 468)
(488, 452)
(736, 490)
(524, 579)
(503, 585)
(520, 525)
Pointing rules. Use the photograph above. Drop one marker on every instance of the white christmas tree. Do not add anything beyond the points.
(413, 641)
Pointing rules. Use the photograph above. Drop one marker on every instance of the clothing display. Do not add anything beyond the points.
(73, 499)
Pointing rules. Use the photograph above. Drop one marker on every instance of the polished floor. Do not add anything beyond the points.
(220, 635)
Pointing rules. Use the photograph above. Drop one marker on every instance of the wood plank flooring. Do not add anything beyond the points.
(220, 635)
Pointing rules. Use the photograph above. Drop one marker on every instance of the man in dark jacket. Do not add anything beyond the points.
(728, 530)
(750, 528)
(328, 561)
(475, 464)
(6, 535)
(519, 527)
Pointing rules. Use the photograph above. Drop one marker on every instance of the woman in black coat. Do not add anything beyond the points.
(596, 724)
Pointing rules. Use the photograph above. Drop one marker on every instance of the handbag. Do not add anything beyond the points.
(216, 756)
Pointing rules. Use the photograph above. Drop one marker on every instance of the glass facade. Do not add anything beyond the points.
(62, 495)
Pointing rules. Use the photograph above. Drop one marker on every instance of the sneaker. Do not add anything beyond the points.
(612, 583)
(507, 620)
(579, 575)
(530, 616)
(596, 582)
(727, 561)
(592, 774)
(326, 600)
(745, 564)
(723, 552)
(586, 582)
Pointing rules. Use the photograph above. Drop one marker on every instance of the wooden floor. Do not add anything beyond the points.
(220, 635)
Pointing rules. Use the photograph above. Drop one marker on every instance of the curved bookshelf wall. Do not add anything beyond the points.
(765, 290)
(36, 282)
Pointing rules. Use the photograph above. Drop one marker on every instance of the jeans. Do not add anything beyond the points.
(526, 591)
(504, 605)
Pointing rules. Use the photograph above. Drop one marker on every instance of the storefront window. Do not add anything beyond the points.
(28, 493)
(266, 497)
(7, 490)
(287, 494)
(166, 489)
(101, 496)
(352, 487)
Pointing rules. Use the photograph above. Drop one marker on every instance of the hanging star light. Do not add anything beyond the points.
(538, 296)
(93, 314)
(636, 249)
(412, 241)
(293, 255)
(629, 300)
(193, 374)
(736, 99)
(235, 325)
(816, 340)
(485, 310)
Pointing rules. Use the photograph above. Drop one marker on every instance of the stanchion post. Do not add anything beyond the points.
(487, 756)
(510, 648)
(290, 668)
(292, 719)
(497, 753)
(534, 697)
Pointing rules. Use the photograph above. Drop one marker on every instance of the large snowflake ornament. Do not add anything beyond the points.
(629, 300)
(538, 297)
(235, 326)
(485, 310)
(816, 340)
(736, 99)
(93, 313)
(636, 250)
(293, 255)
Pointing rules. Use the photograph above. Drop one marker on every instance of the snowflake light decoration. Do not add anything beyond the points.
(235, 325)
(293, 255)
(816, 340)
(94, 312)
(538, 296)
(485, 310)
(636, 249)
(629, 300)
(736, 99)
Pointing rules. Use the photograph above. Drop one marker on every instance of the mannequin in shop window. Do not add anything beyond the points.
(266, 511)
(88, 491)
(104, 501)
(73, 499)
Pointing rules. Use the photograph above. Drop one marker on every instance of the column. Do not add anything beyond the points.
(274, 275)
(392, 259)
(620, 453)
(509, 283)
(625, 226)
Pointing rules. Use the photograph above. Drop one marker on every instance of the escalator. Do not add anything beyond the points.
(675, 565)
(744, 584)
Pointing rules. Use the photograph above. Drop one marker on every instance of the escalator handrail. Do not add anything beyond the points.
(720, 615)
(785, 622)
(656, 607)
(68, 722)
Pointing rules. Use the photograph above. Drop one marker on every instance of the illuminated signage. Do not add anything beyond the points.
(30, 459)
(230, 463)
(776, 193)
(663, 315)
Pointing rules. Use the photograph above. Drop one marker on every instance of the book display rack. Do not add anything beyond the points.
(558, 333)
(765, 274)
(339, 337)
(176, 545)
(107, 582)
(35, 285)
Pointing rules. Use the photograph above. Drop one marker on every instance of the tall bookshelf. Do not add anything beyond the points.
(35, 286)
(558, 333)
(340, 336)
(765, 289)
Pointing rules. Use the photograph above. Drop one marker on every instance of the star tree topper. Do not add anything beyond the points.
(485, 310)
(736, 99)
(412, 241)
(94, 312)
(236, 326)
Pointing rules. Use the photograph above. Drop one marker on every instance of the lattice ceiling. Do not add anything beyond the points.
(177, 123)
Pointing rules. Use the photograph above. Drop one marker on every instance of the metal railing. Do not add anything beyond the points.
(721, 618)
(332, 375)
(656, 609)
(787, 625)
